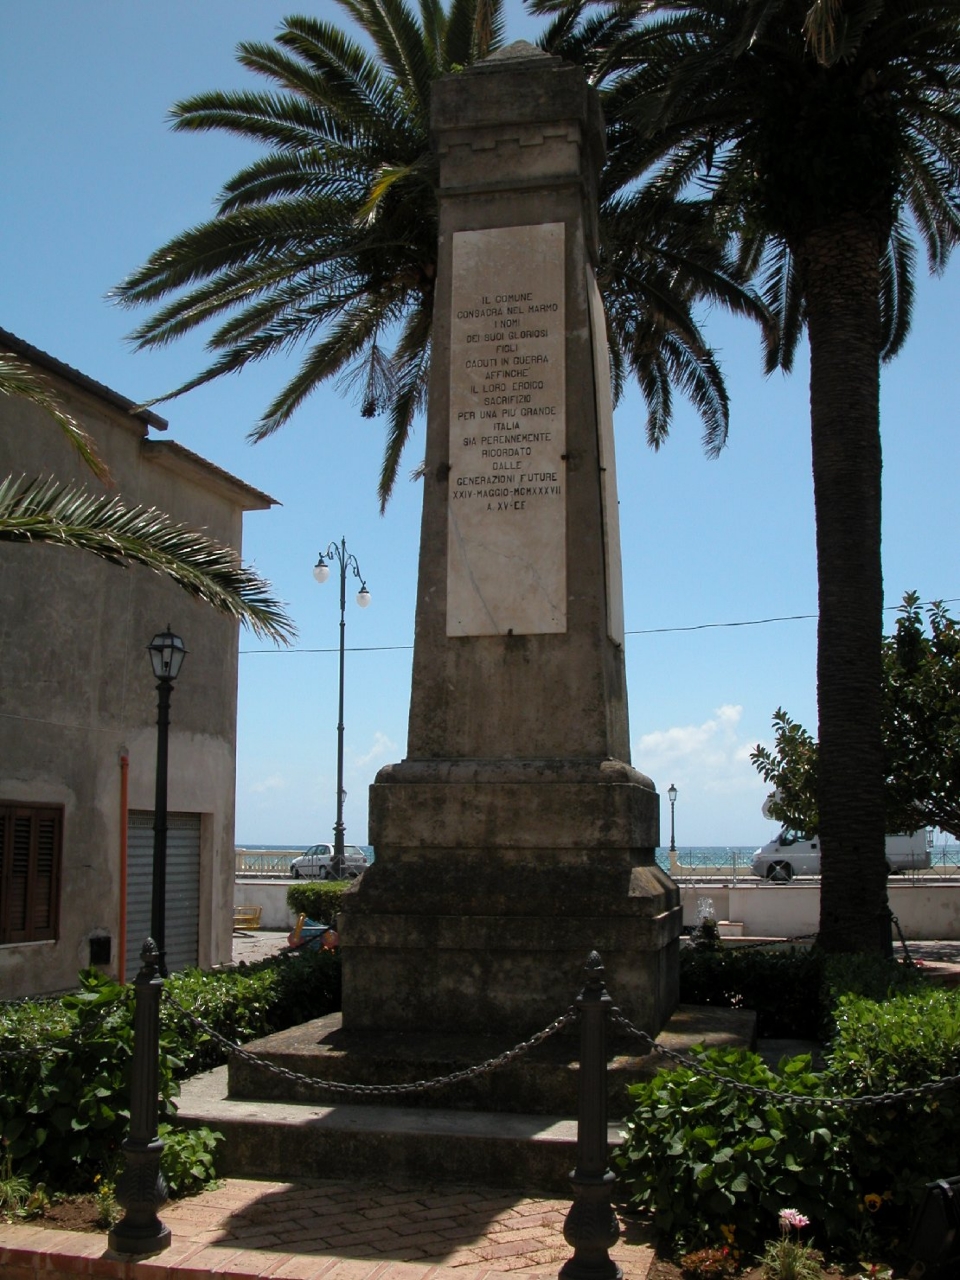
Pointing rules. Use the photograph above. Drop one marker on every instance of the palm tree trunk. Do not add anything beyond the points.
(841, 275)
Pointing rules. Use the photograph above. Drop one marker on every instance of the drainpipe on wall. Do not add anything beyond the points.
(122, 938)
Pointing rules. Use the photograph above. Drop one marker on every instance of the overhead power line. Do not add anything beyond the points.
(647, 631)
(706, 626)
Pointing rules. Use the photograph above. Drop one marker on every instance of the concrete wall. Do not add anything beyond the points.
(271, 896)
(77, 692)
(925, 910)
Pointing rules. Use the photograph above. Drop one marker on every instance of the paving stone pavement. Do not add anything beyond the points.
(329, 1230)
(455, 1227)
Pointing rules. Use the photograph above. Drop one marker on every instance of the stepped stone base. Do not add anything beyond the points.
(266, 1137)
(284, 1140)
(493, 882)
(541, 1081)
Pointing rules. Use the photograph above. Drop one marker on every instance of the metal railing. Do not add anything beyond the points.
(729, 865)
(733, 865)
(264, 864)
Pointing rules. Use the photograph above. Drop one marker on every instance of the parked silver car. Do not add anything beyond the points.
(317, 862)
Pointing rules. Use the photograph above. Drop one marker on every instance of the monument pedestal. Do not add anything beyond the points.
(493, 882)
(515, 838)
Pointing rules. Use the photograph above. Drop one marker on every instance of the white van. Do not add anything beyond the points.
(792, 854)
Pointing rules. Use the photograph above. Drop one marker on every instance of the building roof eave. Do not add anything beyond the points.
(42, 359)
(184, 462)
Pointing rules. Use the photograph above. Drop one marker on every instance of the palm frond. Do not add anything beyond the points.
(410, 367)
(896, 289)
(17, 378)
(33, 511)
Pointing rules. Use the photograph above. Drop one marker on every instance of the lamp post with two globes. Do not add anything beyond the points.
(338, 552)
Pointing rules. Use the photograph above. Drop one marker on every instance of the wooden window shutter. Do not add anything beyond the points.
(31, 842)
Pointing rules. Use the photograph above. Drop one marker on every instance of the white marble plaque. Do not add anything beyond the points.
(506, 542)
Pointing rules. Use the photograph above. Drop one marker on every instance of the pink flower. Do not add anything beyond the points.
(791, 1218)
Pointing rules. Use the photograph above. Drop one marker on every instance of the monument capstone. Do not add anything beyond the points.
(515, 836)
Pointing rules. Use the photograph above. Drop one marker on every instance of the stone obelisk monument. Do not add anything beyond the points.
(515, 836)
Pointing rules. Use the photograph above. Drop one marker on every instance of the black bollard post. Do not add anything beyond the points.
(591, 1227)
(141, 1190)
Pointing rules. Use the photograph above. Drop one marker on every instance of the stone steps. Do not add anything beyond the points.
(292, 1137)
(292, 1140)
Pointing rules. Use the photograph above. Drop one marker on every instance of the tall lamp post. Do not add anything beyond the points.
(321, 572)
(166, 656)
(672, 797)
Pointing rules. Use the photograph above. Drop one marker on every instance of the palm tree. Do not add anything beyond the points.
(329, 241)
(827, 135)
(66, 515)
(330, 238)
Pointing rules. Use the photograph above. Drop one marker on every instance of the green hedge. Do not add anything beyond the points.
(318, 899)
(64, 1101)
(64, 1091)
(793, 991)
(248, 1002)
(709, 1160)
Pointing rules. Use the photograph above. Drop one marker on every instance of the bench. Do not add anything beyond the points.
(246, 917)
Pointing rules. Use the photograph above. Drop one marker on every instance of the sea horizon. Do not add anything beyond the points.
(716, 855)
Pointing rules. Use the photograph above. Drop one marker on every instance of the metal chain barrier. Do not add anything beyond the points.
(774, 1095)
(382, 1090)
(903, 942)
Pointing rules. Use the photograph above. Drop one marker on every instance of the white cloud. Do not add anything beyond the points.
(276, 782)
(719, 791)
(382, 746)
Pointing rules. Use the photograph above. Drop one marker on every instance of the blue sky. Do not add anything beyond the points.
(94, 180)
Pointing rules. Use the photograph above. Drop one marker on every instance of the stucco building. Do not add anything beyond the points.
(78, 709)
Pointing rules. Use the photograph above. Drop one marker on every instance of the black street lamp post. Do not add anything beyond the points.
(141, 1187)
(672, 797)
(166, 656)
(322, 572)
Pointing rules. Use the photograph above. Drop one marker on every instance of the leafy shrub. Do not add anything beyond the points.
(248, 1002)
(64, 1095)
(319, 899)
(704, 1156)
(187, 1160)
(305, 986)
(781, 986)
(234, 1003)
(872, 976)
(879, 1048)
(701, 1155)
(64, 1102)
(793, 991)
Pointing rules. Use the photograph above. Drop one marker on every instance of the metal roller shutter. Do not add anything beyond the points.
(183, 887)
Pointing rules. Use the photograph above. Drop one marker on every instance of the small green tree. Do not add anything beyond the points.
(791, 769)
(921, 732)
(922, 719)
